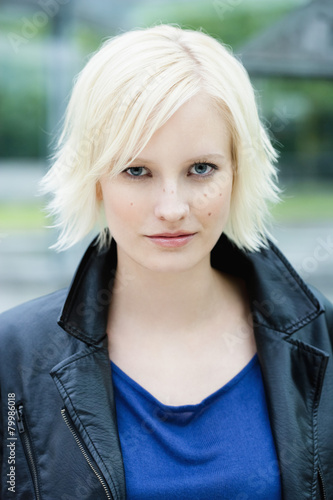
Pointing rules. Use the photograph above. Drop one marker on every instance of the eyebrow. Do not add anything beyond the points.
(204, 156)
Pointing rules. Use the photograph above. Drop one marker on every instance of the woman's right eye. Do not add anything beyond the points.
(136, 171)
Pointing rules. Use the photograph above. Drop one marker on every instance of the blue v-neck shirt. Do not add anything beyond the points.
(221, 448)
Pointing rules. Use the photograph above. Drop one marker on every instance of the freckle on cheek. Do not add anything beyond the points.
(220, 194)
(209, 213)
(205, 194)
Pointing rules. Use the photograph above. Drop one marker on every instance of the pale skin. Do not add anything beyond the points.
(178, 327)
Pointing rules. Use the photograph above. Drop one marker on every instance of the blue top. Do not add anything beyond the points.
(221, 448)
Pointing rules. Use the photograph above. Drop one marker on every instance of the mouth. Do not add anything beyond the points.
(171, 235)
(171, 240)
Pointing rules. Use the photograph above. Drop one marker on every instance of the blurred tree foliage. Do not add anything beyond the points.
(231, 21)
(22, 111)
(299, 118)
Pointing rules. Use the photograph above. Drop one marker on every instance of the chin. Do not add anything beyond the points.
(170, 263)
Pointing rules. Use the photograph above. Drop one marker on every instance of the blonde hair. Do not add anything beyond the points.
(129, 88)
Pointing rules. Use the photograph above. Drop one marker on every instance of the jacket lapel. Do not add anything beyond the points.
(293, 374)
(84, 382)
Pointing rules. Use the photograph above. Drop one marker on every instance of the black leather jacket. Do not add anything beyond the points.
(55, 370)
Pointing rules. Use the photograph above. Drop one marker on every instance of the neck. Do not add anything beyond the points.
(166, 302)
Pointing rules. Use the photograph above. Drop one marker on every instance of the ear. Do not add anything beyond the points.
(99, 192)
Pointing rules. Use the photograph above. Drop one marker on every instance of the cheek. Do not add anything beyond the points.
(219, 208)
(114, 206)
(214, 203)
(121, 208)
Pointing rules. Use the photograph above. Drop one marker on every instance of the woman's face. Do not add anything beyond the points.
(169, 208)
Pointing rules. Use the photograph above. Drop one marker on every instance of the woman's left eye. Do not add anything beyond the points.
(202, 169)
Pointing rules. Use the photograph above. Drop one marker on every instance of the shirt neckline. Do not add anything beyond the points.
(189, 407)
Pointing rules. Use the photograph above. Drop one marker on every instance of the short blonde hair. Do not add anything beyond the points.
(128, 89)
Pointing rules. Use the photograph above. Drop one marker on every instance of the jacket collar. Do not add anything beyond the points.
(279, 298)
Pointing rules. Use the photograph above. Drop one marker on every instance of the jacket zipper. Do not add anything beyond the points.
(321, 483)
(78, 442)
(22, 428)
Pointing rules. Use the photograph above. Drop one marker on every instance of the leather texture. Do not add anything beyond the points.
(54, 358)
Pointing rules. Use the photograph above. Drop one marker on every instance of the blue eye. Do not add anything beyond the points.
(202, 169)
(199, 169)
(136, 171)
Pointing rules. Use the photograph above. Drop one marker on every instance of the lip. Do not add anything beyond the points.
(172, 240)
(171, 235)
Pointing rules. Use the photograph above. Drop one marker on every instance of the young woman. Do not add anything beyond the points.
(187, 358)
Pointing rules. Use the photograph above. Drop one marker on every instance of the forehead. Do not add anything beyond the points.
(197, 127)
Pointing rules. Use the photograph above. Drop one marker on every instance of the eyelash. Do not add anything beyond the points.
(204, 176)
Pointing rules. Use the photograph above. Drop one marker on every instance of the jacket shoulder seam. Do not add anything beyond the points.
(299, 280)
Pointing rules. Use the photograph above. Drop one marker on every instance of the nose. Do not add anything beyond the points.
(171, 206)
